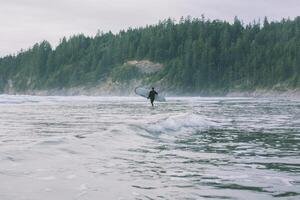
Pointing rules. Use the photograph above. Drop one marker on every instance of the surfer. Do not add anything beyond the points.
(151, 95)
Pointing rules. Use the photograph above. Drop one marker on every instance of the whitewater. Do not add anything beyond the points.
(121, 148)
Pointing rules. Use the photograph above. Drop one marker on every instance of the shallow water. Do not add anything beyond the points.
(120, 148)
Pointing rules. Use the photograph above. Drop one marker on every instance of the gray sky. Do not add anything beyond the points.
(25, 22)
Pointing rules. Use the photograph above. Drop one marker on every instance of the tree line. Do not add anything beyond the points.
(198, 54)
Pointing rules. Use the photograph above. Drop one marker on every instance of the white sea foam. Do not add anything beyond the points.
(28, 99)
(178, 122)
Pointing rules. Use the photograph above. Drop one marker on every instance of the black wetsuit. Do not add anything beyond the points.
(151, 96)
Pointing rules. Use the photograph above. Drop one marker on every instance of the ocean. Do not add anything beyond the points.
(121, 148)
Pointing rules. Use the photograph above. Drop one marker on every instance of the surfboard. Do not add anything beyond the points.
(143, 92)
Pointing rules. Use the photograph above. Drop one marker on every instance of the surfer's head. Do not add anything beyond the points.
(152, 88)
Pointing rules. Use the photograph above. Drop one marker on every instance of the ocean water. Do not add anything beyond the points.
(92, 148)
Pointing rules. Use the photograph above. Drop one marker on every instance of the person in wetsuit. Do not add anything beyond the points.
(151, 96)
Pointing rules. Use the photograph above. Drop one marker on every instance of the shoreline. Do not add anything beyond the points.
(291, 93)
(100, 91)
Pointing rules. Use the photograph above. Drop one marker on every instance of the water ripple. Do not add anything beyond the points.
(121, 148)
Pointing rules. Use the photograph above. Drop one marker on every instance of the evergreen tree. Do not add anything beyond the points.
(197, 54)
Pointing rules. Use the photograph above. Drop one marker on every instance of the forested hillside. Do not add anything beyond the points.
(197, 55)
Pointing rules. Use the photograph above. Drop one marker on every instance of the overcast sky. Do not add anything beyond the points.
(25, 22)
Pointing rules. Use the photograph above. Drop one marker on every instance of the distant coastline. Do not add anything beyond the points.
(197, 57)
(105, 90)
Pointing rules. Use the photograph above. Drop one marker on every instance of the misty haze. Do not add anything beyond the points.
(138, 99)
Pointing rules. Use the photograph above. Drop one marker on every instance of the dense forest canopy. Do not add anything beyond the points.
(197, 54)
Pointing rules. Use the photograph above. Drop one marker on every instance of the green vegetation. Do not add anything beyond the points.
(198, 55)
(125, 73)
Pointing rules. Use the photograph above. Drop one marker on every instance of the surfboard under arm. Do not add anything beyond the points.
(145, 93)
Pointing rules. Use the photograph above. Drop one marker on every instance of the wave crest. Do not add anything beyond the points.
(178, 122)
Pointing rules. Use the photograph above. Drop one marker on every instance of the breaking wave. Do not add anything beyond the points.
(179, 122)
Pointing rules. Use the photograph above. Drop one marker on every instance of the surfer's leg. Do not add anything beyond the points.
(152, 102)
